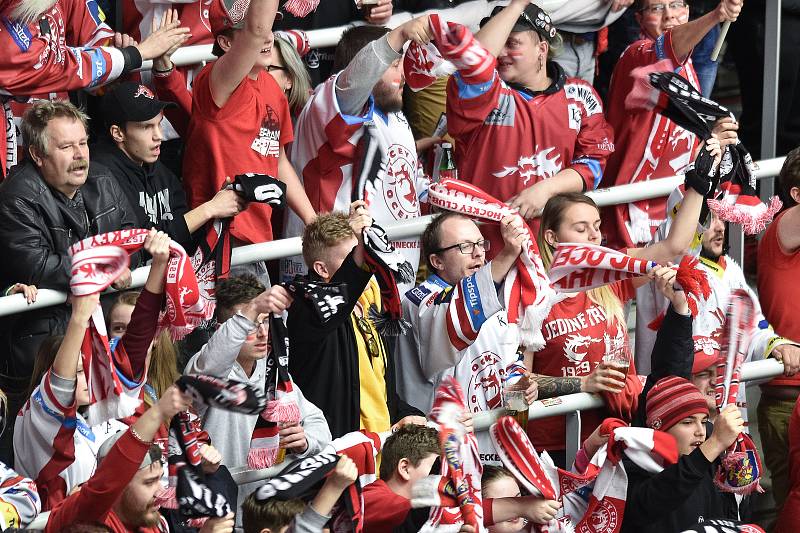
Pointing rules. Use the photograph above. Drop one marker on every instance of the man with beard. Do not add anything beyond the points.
(53, 46)
(353, 139)
(50, 202)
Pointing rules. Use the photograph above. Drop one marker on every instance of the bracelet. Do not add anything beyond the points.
(139, 437)
(158, 71)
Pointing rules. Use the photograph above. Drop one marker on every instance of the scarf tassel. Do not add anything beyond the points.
(282, 410)
(753, 219)
(300, 8)
(167, 498)
(386, 325)
(258, 458)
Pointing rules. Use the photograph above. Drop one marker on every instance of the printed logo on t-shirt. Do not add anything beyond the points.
(486, 381)
(156, 206)
(400, 194)
(543, 164)
(268, 141)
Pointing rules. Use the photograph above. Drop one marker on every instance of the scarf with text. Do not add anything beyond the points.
(604, 477)
(327, 299)
(460, 459)
(282, 402)
(740, 468)
(388, 266)
(96, 262)
(528, 294)
(672, 96)
(195, 498)
(303, 479)
(580, 267)
(212, 259)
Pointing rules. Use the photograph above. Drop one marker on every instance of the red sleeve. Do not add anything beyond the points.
(624, 290)
(171, 87)
(86, 23)
(790, 514)
(287, 130)
(595, 142)
(624, 404)
(468, 105)
(97, 496)
(488, 518)
(134, 345)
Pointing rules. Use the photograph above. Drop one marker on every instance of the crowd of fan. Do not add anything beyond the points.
(130, 411)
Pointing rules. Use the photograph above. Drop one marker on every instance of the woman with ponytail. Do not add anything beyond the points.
(586, 328)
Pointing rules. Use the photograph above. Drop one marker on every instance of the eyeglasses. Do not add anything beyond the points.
(658, 9)
(263, 323)
(467, 248)
(270, 68)
(369, 337)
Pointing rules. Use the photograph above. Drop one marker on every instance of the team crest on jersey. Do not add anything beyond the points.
(400, 194)
(486, 381)
(543, 164)
(576, 347)
(268, 141)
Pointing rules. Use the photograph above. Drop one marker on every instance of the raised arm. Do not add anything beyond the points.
(686, 36)
(242, 54)
(495, 32)
(65, 364)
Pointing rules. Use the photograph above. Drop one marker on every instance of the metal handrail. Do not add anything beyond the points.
(267, 251)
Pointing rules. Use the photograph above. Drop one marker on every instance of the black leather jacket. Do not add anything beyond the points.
(37, 226)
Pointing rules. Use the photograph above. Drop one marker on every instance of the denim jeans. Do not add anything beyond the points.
(701, 57)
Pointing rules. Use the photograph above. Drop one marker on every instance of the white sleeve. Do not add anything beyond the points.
(219, 354)
(19, 499)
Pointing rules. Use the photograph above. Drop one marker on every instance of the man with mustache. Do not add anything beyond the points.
(48, 203)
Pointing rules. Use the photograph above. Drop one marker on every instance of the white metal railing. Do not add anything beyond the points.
(267, 251)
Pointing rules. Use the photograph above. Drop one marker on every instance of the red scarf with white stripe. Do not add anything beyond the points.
(96, 262)
(580, 267)
(528, 294)
(740, 468)
(651, 450)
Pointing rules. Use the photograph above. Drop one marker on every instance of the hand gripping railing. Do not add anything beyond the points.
(267, 251)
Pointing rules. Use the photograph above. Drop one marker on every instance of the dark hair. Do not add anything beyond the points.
(273, 514)
(493, 473)
(354, 39)
(412, 442)
(216, 49)
(236, 291)
(789, 177)
(44, 360)
(431, 237)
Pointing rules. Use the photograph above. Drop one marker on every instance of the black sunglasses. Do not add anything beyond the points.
(270, 68)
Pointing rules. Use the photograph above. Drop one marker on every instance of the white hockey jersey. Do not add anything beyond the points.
(460, 331)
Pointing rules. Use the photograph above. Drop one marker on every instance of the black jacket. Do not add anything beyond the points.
(154, 192)
(37, 226)
(323, 358)
(678, 497)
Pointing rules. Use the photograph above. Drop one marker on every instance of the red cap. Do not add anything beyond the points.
(706, 353)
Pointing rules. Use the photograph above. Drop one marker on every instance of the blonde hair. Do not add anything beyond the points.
(328, 230)
(552, 218)
(300, 91)
(163, 368)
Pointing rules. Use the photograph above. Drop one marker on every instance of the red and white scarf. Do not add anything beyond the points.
(581, 267)
(605, 474)
(96, 262)
(460, 459)
(528, 294)
(740, 468)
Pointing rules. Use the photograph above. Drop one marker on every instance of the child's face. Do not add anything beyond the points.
(504, 487)
(689, 433)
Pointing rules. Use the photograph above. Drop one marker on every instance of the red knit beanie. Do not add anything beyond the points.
(671, 400)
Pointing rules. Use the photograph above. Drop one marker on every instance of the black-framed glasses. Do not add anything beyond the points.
(658, 9)
(467, 248)
(270, 68)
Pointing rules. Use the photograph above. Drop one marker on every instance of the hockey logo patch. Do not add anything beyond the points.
(400, 194)
(485, 382)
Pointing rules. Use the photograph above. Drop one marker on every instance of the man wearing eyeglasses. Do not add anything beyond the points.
(460, 300)
(650, 146)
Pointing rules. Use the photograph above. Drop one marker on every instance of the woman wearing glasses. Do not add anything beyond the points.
(650, 146)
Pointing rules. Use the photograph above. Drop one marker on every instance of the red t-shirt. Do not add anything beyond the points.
(649, 145)
(245, 135)
(577, 338)
(384, 510)
(778, 290)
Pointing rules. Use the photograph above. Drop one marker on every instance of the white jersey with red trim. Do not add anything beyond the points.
(19, 499)
(460, 331)
(324, 152)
